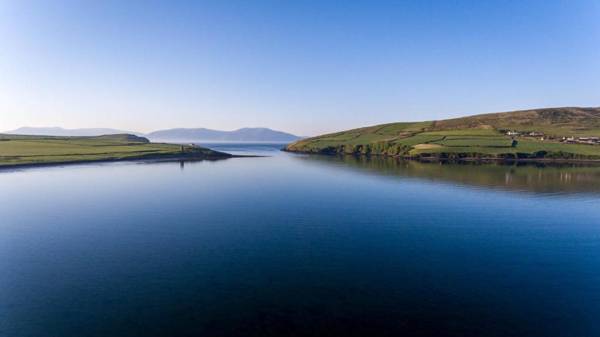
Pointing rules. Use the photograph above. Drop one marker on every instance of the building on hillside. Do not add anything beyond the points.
(581, 140)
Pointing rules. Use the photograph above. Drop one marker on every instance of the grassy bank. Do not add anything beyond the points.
(16, 150)
(484, 137)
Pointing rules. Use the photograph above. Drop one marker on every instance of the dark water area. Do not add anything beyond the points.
(297, 245)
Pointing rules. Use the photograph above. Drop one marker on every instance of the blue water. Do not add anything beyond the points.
(295, 245)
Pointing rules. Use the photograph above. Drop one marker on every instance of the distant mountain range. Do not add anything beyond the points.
(244, 134)
(179, 135)
(57, 131)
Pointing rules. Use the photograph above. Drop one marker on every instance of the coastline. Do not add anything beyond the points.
(433, 159)
(139, 159)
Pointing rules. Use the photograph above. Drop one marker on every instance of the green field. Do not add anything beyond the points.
(34, 150)
(481, 136)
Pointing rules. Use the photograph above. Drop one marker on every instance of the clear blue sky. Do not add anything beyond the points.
(306, 67)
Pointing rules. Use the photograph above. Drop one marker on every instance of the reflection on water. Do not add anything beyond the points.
(538, 178)
(293, 245)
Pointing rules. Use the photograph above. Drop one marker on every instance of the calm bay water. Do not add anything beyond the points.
(294, 245)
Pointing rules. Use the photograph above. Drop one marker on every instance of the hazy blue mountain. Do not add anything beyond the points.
(242, 135)
(181, 134)
(57, 131)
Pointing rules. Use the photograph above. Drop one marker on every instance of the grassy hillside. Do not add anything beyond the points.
(481, 136)
(31, 150)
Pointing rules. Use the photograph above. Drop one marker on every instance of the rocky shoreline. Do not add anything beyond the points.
(458, 158)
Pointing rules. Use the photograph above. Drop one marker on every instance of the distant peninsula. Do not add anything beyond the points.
(169, 135)
(550, 134)
(25, 150)
(62, 132)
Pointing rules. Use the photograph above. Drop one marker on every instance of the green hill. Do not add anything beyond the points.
(18, 150)
(554, 133)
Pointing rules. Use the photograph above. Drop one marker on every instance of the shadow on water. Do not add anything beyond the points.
(530, 177)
